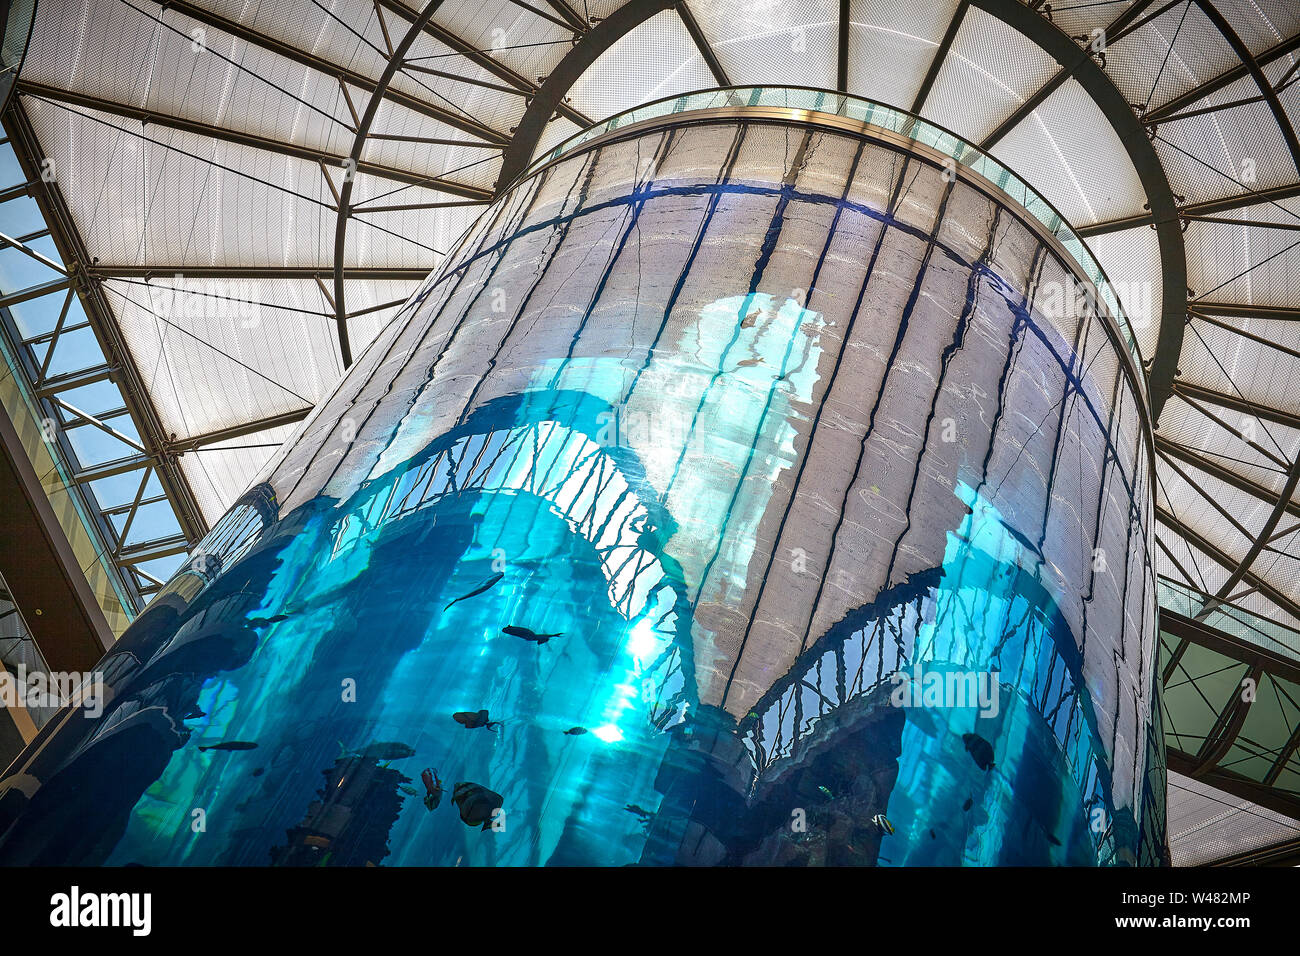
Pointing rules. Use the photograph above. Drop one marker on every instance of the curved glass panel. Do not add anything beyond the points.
(738, 493)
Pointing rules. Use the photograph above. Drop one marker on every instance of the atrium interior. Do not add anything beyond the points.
(627, 401)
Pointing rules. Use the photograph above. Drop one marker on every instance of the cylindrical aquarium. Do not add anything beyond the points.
(752, 485)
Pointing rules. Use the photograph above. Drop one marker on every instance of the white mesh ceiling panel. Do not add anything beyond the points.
(655, 60)
(989, 72)
(766, 41)
(892, 45)
(1068, 151)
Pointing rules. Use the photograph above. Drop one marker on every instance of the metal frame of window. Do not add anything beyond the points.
(152, 457)
(1207, 763)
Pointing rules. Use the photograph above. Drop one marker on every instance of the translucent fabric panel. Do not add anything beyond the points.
(891, 47)
(656, 59)
(768, 42)
(221, 472)
(1068, 151)
(988, 73)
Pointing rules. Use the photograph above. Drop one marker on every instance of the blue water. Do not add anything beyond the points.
(363, 587)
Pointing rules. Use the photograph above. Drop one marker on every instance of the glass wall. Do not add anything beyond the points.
(740, 492)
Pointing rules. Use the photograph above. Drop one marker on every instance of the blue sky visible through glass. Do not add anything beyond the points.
(75, 350)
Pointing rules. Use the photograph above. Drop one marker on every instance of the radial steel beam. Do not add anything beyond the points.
(251, 140)
(306, 273)
(1207, 208)
(479, 58)
(702, 43)
(1160, 197)
(1226, 561)
(1288, 489)
(1211, 467)
(354, 161)
(1212, 207)
(1236, 310)
(1208, 318)
(342, 74)
(1239, 47)
(1237, 403)
(552, 92)
(1169, 110)
(1116, 31)
(572, 17)
(153, 550)
(34, 292)
(237, 431)
(940, 56)
(842, 52)
(1230, 720)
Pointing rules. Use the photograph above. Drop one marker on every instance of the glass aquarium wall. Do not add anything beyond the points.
(738, 492)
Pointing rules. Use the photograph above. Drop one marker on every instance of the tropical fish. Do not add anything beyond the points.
(476, 803)
(473, 719)
(487, 583)
(528, 634)
(231, 745)
(266, 621)
(749, 320)
(826, 793)
(432, 787)
(980, 750)
(882, 823)
(409, 791)
(388, 750)
(576, 731)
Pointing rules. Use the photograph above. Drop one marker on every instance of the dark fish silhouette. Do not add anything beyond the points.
(476, 803)
(472, 719)
(641, 812)
(576, 731)
(932, 836)
(265, 621)
(259, 771)
(1053, 840)
(388, 750)
(529, 635)
(487, 583)
(432, 787)
(194, 714)
(980, 750)
(967, 804)
(231, 745)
